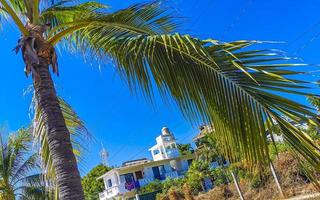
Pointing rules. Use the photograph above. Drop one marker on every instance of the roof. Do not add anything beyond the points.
(204, 130)
(136, 161)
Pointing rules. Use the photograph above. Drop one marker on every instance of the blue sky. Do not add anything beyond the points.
(126, 124)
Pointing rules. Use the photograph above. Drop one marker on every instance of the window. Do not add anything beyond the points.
(155, 152)
(139, 175)
(189, 162)
(162, 169)
(109, 183)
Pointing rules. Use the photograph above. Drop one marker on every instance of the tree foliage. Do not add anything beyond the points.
(197, 173)
(185, 149)
(18, 169)
(91, 186)
(238, 88)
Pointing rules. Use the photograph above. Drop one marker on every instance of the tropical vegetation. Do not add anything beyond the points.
(185, 149)
(91, 186)
(233, 85)
(20, 173)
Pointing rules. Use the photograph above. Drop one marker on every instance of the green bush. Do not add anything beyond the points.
(176, 183)
(151, 187)
(198, 172)
(256, 182)
(220, 177)
(92, 186)
(277, 148)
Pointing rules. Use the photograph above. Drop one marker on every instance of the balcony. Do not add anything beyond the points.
(145, 181)
(173, 174)
(109, 192)
(117, 190)
(172, 153)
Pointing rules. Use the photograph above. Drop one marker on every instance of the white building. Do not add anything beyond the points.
(124, 181)
(166, 146)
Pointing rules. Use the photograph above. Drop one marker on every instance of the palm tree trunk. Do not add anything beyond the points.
(58, 136)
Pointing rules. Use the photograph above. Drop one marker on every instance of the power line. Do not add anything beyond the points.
(237, 19)
(306, 44)
(123, 147)
(147, 147)
(311, 28)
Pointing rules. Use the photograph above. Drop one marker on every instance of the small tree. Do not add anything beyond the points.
(185, 149)
(91, 185)
(19, 169)
(196, 175)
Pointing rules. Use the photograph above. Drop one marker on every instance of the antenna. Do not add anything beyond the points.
(104, 155)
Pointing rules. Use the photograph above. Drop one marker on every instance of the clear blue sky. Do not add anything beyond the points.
(126, 124)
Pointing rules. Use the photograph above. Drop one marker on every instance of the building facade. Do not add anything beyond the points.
(123, 182)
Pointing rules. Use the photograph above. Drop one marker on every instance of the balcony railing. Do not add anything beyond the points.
(109, 192)
(173, 174)
(146, 181)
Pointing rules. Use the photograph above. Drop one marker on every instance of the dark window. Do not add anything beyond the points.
(129, 178)
(189, 162)
(109, 183)
(156, 173)
(155, 152)
(139, 175)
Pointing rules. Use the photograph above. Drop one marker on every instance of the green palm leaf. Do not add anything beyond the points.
(238, 89)
(220, 83)
(17, 168)
(76, 127)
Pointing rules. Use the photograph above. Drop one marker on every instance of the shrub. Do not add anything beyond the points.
(220, 177)
(169, 183)
(196, 175)
(256, 182)
(151, 187)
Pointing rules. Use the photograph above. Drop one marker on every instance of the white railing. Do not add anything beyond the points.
(172, 153)
(173, 174)
(109, 192)
(145, 181)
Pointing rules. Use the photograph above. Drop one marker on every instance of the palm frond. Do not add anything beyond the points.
(3, 16)
(17, 166)
(140, 19)
(219, 83)
(224, 84)
(59, 13)
(76, 127)
(27, 166)
(13, 11)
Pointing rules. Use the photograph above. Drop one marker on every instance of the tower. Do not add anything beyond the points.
(104, 155)
(166, 146)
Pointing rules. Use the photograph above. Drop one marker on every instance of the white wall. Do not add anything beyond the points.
(168, 167)
(114, 179)
(148, 173)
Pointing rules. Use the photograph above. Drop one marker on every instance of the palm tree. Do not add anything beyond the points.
(17, 167)
(220, 83)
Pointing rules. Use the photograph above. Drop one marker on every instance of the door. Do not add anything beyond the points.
(139, 175)
(156, 173)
